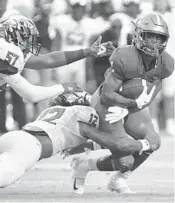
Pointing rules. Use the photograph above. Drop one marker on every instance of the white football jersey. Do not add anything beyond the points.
(74, 34)
(62, 126)
(12, 54)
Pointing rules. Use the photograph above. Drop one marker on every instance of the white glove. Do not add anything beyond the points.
(144, 98)
(145, 146)
(115, 114)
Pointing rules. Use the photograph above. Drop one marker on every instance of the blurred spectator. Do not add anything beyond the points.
(71, 32)
(26, 8)
(96, 67)
(41, 77)
(104, 9)
(59, 7)
(131, 10)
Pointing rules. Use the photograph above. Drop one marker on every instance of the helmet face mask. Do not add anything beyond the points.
(22, 32)
(151, 35)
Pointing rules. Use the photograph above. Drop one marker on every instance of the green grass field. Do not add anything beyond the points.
(48, 181)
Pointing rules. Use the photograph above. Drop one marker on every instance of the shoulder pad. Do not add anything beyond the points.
(88, 115)
(168, 63)
(11, 54)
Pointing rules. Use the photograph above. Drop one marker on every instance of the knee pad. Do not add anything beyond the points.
(124, 163)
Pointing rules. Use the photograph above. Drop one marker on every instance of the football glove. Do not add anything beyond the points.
(116, 114)
(144, 98)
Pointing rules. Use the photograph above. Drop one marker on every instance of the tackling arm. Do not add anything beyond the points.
(56, 59)
(60, 58)
(126, 145)
(31, 92)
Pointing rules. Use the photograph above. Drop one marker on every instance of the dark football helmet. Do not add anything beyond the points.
(147, 28)
(22, 32)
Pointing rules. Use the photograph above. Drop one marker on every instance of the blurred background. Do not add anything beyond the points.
(75, 24)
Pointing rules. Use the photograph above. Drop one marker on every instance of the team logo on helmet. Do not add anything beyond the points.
(22, 32)
(151, 34)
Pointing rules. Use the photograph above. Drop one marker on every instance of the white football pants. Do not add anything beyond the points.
(19, 151)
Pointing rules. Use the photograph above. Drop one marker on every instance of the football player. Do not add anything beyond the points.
(18, 36)
(57, 130)
(146, 59)
(46, 136)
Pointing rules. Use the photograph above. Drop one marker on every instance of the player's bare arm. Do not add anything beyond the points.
(102, 138)
(35, 93)
(110, 95)
(60, 58)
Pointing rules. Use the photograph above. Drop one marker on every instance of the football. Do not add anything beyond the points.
(134, 87)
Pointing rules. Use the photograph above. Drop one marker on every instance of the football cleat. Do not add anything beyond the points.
(118, 184)
(80, 167)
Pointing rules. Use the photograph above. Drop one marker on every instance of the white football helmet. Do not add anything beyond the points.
(22, 32)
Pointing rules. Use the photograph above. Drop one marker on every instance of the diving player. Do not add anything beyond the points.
(57, 128)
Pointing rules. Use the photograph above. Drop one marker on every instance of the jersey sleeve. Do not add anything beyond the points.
(168, 66)
(117, 67)
(11, 58)
(88, 115)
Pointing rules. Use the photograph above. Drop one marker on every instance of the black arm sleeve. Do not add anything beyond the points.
(6, 68)
(72, 56)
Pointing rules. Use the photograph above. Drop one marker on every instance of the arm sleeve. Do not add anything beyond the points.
(6, 68)
(117, 67)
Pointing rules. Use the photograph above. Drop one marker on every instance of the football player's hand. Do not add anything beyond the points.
(116, 114)
(144, 98)
(64, 154)
(106, 49)
(71, 88)
(102, 49)
(95, 48)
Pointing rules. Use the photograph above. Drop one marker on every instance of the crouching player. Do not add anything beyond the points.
(145, 59)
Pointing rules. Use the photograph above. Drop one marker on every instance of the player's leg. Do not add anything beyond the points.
(19, 151)
(82, 164)
(126, 146)
(139, 125)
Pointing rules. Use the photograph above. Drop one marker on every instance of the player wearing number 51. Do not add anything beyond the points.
(19, 47)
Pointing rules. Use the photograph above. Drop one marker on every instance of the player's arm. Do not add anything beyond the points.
(35, 93)
(113, 81)
(110, 95)
(56, 59)
(126, 145)
(60, 58)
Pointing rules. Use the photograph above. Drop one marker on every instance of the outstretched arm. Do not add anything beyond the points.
(60, 58)
(126, 145)
(56, 59)
(35, 93)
